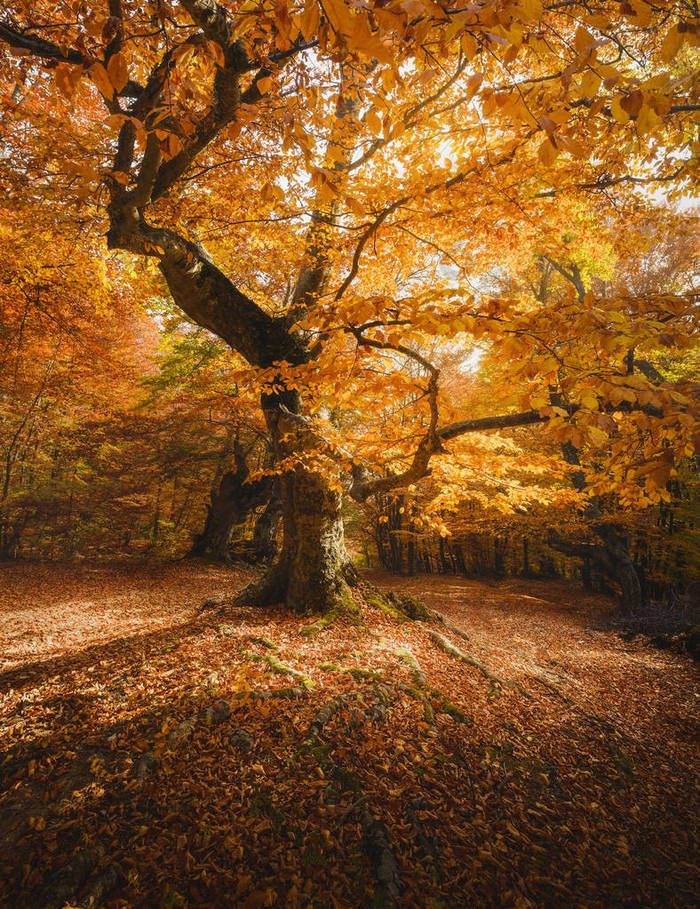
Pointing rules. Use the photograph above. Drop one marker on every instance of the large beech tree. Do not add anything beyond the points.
(317, 183)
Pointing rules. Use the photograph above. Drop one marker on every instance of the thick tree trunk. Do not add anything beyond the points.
(313, 569)
(313, 548)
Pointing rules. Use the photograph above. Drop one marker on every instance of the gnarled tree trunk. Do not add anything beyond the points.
(313, 568)
(231, 505)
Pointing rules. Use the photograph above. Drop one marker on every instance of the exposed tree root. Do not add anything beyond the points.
(422, 686)
(62, 886)
(552, 687)
(448, 647)
(407, 657)
(428, 845)
(402, 607)
(324, 715)
(100, 888)
(277, 666)
(381, 855)
(264, 591)
(346, 607)
(375, 836)
(263, 641)
(218, 712)
(453, 628)
(315, 628)
(215, 602)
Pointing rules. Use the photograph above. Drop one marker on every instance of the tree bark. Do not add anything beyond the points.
(231, 504)
(312, 571)
(265, 530)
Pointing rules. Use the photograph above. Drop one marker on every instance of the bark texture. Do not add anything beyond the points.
(231, 506)
(313, 568)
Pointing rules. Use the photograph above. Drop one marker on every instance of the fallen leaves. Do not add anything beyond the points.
(168, 768)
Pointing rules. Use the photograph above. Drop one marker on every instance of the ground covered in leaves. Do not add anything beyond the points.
(515, 754)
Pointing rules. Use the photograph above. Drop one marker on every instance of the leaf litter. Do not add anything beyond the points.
(158, 755)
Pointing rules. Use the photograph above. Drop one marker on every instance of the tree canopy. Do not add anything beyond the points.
(418, 228)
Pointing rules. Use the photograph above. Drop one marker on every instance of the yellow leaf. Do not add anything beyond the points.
(67, 77)
(582, 39)
(339, 16)
(264, 84)
(99, 76)
(618, 112)
(174, 145)
(473, 83)
(597, 436)
(590, 83)
(310, 19)
(671, 44)
(373, 122)
(532, 9)
(118, 72)
(547, 152)
(647, 119)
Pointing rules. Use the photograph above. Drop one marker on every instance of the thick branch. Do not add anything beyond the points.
(483, 424)
(206, 295)
(40, 47)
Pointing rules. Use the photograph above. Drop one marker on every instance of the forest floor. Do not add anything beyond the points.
(154, 755)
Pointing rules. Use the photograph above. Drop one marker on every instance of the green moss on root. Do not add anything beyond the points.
(346, 607)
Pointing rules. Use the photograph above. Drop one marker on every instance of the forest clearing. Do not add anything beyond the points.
(349, 436)
(577, 788)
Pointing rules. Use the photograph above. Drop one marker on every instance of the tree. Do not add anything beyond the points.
(413, 136)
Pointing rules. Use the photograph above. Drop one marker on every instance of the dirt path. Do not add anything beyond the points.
(556, 631)
(48, 610)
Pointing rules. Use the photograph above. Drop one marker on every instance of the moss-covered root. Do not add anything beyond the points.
(324, 715)
(377, 844)
(375, 836)
(276, 666)
(409, 660)
(400, 606)
(444, 704)
(263, 641)
(345, 607)
(449, 647)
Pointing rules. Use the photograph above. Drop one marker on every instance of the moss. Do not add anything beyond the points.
(449, 708)
(276, 666)
(409, 660)
(345, 607)
(428, 712)
(400, 606)
(359, 674)
(379, 602)
(330, 667)
(315, 628)
(265, 642)
(410, 606)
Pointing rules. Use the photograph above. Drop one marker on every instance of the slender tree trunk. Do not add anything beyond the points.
(265, 530)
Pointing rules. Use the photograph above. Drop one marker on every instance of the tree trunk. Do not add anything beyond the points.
(265, 530)
(615, 561)
(230, 506)
(313, 547)
(313, 569)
